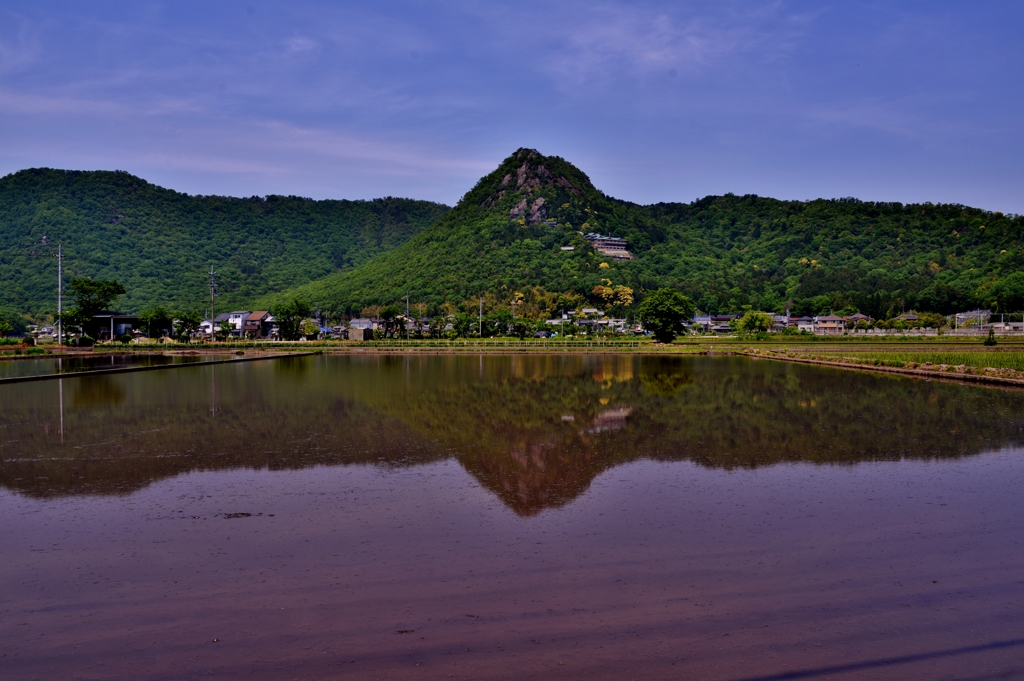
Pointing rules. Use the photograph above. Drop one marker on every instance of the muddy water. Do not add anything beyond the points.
(555, 517)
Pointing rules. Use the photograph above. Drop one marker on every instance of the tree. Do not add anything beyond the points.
(931, 320)
(10, 321)
(157, 318)
(664, 313)
(1009, 293)
(437, 325)
(755, 322)
(521, 328)
(461, 324)
(186, 323)
(289, 318)
(71, 321)
(92, 296)
(991, 340)
(309, 328)
(393, 325)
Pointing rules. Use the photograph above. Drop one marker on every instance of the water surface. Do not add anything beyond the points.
(497, 517)
(45, 366)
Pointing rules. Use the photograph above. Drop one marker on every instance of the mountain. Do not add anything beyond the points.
(160, 243)
(506, 236)
(498, 240)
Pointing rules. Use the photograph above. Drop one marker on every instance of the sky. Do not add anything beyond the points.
(655, 101)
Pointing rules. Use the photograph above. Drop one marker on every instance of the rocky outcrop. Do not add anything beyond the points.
(537, 211)
(530, 177)
(532, 212)
(517, 210)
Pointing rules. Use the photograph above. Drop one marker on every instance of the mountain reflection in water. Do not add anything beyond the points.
(536, 430)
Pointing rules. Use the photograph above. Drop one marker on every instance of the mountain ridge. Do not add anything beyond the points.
(511, 234)
(160, 243)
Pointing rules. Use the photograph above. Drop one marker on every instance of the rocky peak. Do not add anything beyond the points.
(528, 174)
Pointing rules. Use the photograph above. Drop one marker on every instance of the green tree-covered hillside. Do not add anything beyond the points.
(160, 243)
(500, 239)
(724, 252)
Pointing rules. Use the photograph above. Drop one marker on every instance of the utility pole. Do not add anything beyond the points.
(60, 297)
(213, 294)
(481, 316)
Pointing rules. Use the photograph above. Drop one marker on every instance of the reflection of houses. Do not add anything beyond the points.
(610, 420)
(108, 325)
(611, 246)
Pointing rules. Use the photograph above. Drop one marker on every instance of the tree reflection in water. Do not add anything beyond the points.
(536, 430)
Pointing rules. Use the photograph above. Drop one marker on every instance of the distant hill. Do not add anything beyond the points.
(160, 243)
(507, 235)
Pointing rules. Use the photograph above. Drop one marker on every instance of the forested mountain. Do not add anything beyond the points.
(506, 236)
(160, 243)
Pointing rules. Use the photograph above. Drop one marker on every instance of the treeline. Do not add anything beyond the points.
(160, 243)
(839, 255)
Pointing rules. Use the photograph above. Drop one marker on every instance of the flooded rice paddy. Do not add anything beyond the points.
(510, 517)
(45, 366)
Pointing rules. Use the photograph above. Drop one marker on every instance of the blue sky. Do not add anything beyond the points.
(656, 101)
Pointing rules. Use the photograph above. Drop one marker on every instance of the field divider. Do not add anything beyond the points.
(125, 370)
(920, 373)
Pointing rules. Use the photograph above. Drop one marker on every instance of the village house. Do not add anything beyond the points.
(802, 323)
(854, 319)
(258, 324)
(231, 322)
(361, 328)
(829, 324)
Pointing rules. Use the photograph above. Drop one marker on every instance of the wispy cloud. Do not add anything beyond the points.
(298, 44)
(12, 102)
(387, 157)
(19, 43)
(610, 40)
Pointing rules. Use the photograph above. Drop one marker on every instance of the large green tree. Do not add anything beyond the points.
(1009, 293)
(664, 313)
(156, 320)
(754, 321)
(289, 317)
(92, 296)
(390, 316)
(187, 322)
